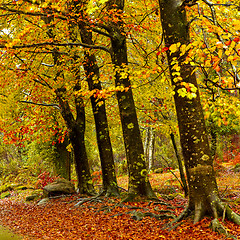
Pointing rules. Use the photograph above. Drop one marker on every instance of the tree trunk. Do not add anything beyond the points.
(100, 116)
(138, 175)
(149, 144)
(146, 142)
(151, 149)
(213, 141)
(180, 166)
(62, 159)
(76, 129)
(203, 192)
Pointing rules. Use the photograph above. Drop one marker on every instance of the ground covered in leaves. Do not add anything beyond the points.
(105, 218)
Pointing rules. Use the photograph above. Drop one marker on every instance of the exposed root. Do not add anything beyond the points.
(227, 212)
(160, 203)
(199, 212)
(122, 189)
(186, 213)
(138, 215)
(216, 226)
(81, 201)
(112, 192)
(130, 197)
(218, 208)
(109, 191)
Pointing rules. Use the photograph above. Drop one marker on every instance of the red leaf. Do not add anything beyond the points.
(164, 49)
(236, 39)
(227, 43)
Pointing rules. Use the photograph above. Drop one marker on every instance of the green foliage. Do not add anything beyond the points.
(222, 115)
(24, 164)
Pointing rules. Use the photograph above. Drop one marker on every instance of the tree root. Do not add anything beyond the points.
(132, 196)
(81, 201)
(185, 214)
(218, 208)
(216, 226)
(138, 215)
(110, 191)
(159, 203)
(227, 212)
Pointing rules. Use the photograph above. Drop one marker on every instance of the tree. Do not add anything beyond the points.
(75, 125)
(50, 84)
(138, 175)
(98, 105)
(203, 192)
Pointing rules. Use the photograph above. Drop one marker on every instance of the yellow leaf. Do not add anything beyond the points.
(173, 48)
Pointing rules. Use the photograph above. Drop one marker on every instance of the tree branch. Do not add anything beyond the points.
(57, 44)
(42, 104)
(29, 13)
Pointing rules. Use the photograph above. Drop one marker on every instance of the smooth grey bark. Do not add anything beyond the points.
(151, 149)
(146, 142)
(149, 144)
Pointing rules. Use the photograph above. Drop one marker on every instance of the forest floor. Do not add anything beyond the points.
(104, 218)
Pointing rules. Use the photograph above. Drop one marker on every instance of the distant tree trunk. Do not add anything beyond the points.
(180, 166)
(76, 129)
(149, 144)
(146, 142)
(203, 192)
(213, 142)
(62, 159)
(76, 126)
(138, 175)
(151, 149)
(101, 123)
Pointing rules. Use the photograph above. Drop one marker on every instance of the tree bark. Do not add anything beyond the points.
(149, 144)
(138, 175)
(62, 159)
(91, 68)
(151, 149)
(180, 166)
(213, 133)
(203, 191)
(76, 129)
(146, 142)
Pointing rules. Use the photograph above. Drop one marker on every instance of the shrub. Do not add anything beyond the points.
(44, 179)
